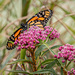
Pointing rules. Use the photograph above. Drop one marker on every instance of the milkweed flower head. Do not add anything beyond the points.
(31, 37)
(72, 72)
(54, 34)
(67, 52)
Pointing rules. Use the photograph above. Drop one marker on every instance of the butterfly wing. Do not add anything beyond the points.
(10, 44)
(40, 19)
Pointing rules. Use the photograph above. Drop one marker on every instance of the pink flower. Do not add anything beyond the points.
(34, 35)
(55, 56)
(53, 34)
(72, 72)
(63, 61)
(67, 52)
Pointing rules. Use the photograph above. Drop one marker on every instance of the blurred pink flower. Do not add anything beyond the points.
(72, 72)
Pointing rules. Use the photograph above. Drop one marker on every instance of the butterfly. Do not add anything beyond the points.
(40, 19)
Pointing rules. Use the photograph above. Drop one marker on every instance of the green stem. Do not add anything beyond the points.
(65, 64)
(22, 56)
(64, 68)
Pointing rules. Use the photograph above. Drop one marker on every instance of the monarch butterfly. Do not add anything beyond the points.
(40, 19)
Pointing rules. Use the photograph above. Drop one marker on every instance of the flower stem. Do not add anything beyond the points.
(34, 61)
(64, 68)
(65, 72)
(65, 64)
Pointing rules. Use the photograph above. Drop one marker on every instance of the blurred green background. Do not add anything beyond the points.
(14, 12)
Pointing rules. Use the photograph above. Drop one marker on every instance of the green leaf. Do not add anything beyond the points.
(18, 71)
(56, 46)
(45, 62)
(58, 63)
(43, 71)
(25, 6)
(50, 42)
(42, 47)
(13, 68)
(19, 60)
(8, 58)
(50, 65)
(53, 71)
(45, 52)
(47, 45)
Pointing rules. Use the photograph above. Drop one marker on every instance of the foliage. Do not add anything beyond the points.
(12, 13)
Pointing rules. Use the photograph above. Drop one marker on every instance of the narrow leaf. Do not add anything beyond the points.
(42, 47)
(56, 46)
(19, 60)
(18, 71)
(43, 71)
(25, 6)
(45, 62)
(50, 65)
(8, 58)
(48, 48)
(13, 68)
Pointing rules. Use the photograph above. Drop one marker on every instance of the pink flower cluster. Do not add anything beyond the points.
(67, 52)
(53, 34)
(34, 35)
(72, 72)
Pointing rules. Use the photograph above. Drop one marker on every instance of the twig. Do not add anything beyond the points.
(61, 41)
(32, 52)
(20, 19)
(65, 27)
(62, 18)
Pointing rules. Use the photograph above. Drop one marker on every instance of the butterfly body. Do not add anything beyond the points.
(40, 19)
